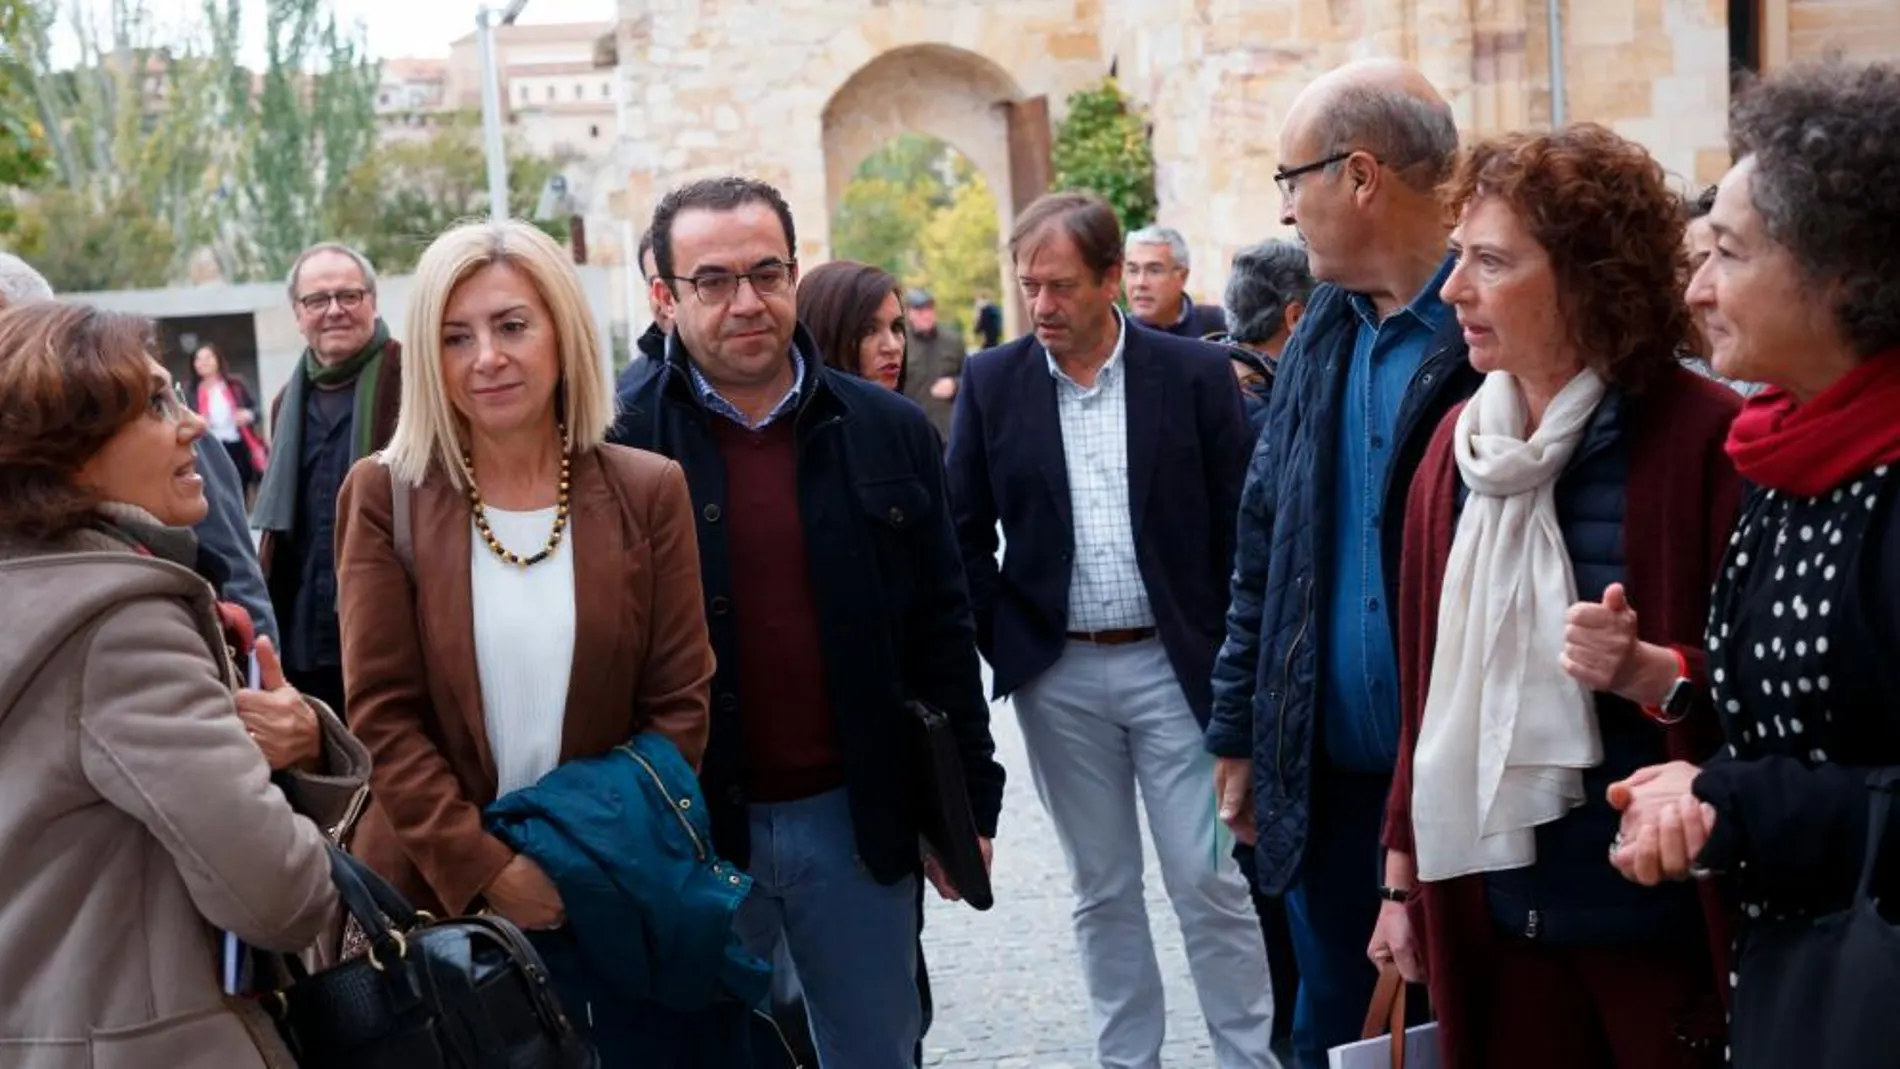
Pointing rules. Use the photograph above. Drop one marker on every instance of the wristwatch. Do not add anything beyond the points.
(1675, 704)
(1396, 894)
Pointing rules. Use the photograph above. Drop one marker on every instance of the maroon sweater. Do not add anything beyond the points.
(1680, 508)
(791, 746)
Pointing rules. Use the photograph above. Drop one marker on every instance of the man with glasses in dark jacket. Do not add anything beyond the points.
(834, 592)
(1306, 705)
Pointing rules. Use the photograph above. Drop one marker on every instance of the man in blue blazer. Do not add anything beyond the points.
(1113, 456)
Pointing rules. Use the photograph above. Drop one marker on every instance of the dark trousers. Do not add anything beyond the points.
(324, 684)
(1332, 909)
(646, 1035)
(1282, 963)
(1598, 1007)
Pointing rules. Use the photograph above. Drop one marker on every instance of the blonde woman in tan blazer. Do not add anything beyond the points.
(550, 608)
(137, 817)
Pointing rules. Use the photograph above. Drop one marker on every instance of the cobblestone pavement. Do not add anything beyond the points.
(1008, 984)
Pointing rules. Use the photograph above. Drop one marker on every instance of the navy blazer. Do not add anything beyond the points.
(1188, 444)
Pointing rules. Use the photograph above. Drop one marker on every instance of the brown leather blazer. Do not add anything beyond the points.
(642, 660)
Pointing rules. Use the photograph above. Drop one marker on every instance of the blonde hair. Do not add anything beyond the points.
(428, 431)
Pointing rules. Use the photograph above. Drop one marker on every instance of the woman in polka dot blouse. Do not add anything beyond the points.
(1802, 293)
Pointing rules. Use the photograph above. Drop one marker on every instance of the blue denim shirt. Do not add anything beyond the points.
(1360, 687)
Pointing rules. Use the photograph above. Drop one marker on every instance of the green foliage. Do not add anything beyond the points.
(22, 138)
(316, 122)
(957, 251)
(402, 196)
(1102, 146)
(917, 209)
(80, 244)
(154, 146)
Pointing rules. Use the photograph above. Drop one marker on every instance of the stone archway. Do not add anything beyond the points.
(957, 97)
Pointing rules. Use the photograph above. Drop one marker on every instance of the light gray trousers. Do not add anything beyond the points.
(1101, 721)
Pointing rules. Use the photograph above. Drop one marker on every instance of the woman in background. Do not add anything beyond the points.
(854, 314)
(224, 403)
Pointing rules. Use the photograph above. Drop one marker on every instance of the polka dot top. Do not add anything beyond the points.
(1792, 669)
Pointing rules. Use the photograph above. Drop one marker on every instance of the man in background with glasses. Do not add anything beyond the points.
(1306, 702)
(1154, 276)
(834, 592)
(339, 406)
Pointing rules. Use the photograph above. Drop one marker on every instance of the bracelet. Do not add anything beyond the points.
(1396, 894)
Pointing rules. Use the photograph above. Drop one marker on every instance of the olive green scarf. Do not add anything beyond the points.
(276, 508)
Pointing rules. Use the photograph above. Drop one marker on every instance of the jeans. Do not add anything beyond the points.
(852, 940)
(1332, 910)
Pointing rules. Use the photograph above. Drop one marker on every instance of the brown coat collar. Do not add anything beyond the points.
(601, 578)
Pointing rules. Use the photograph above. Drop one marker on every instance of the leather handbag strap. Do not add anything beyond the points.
(1385, 1015)
(378, 907)
(402, 527)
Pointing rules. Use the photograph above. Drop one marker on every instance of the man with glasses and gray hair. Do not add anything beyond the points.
(1306, 703)
(1154, 278)
(339, 407)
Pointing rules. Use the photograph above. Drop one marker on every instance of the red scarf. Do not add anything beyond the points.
(1850, 429)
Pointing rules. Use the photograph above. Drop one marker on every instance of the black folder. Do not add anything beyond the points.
(942, 802)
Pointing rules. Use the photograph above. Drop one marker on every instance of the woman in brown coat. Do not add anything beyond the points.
(1560, 539)
(137, 817)
(548, 605)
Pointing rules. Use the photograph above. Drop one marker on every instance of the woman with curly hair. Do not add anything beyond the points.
(1802, 294)
(1561, 535)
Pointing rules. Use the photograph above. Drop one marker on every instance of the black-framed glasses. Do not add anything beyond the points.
(768, 279)
(319, 303)
(1284, 176)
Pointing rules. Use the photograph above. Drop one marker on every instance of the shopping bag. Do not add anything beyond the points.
(1388, 1044)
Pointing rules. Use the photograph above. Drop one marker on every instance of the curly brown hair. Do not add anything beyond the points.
(1603, 212)
(72, 376)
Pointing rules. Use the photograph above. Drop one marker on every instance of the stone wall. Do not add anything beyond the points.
(823, 83)
(800, 93)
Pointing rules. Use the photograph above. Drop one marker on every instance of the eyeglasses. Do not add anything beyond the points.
(168, 403)
(1284, 176)
(1150, 270)
(319, 303)
(717, 287)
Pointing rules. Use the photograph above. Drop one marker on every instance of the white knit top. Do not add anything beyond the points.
(524, 644)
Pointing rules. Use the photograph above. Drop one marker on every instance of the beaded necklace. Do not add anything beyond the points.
(488, 535)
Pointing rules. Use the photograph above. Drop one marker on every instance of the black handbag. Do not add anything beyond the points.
(468, 993)
(942, 805)
(1820, 991)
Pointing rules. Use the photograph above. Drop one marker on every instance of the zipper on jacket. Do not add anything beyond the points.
(1532, 922)
(698, 846)
(1286, 682)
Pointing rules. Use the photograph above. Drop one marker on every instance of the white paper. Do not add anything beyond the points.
(1421, 1051)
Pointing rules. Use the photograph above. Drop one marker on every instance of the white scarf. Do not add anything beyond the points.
(1484, 777)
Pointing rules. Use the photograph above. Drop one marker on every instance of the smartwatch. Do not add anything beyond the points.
(1676, 704)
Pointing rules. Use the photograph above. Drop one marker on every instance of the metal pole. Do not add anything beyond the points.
(491, 114)
(1559, 107)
